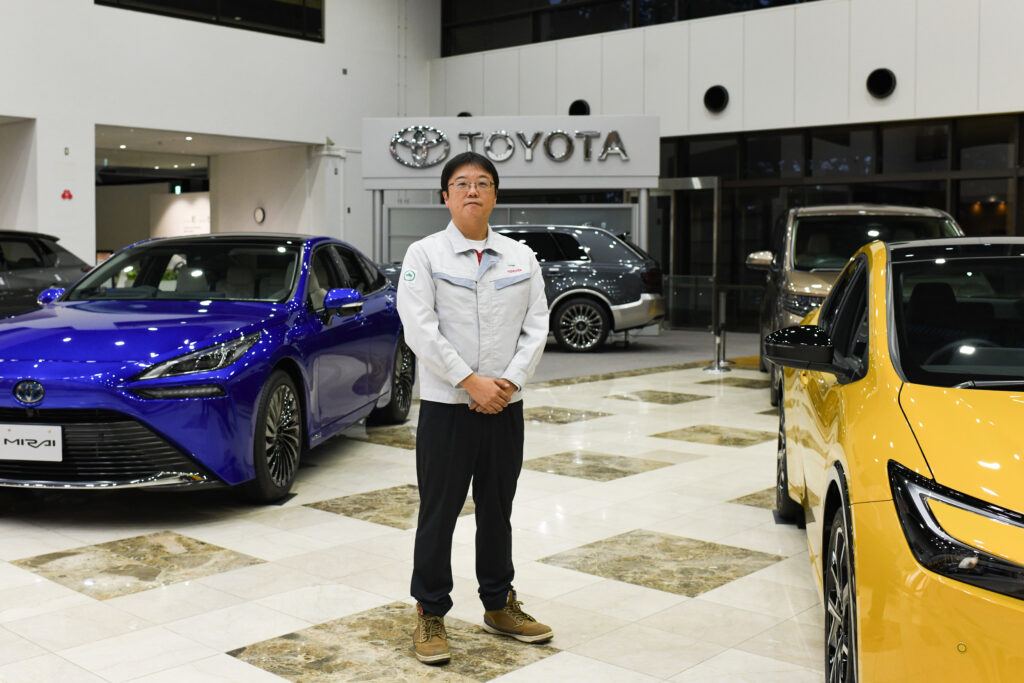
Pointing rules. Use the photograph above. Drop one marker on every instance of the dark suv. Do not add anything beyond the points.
(29, 263)
(595, 282)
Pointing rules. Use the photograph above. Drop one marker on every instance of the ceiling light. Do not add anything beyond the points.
(124, 146)
(188, 137)
(157, 167)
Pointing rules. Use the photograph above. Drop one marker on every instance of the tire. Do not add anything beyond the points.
(787, 508)
(580, 325)
(840, 604)
(277, 441)
(403, 375)
(775, 386)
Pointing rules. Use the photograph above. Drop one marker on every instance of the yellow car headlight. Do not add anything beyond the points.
(940, 552)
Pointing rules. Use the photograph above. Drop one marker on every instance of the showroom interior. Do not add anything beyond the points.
(644, 527)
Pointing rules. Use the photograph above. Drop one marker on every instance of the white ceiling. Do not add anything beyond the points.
(147, 147)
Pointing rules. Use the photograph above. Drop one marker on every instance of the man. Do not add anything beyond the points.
(473, 308)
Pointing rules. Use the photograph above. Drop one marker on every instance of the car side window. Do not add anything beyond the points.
(355, 275)
(542, 243)
(373, 274)
(849, 332)
(570, 247)
(830, 307)
(323, 277)
(18, 254)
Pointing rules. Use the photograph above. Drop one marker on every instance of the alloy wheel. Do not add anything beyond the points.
(283, 433)
(839, 617)
(581, 325)
(404, 377)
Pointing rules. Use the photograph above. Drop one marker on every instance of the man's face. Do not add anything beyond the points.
(471, 203)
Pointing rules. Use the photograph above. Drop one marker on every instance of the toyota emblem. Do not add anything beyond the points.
(419, 146)
(29, 391)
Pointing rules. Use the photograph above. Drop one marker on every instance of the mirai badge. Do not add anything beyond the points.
(29, 391)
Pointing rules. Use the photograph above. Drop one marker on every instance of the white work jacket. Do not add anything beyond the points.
(461, 316)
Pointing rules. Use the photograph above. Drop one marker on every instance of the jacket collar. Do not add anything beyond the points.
(460, 243)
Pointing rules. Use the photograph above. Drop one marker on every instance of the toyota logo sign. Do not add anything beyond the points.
(419, 146)
(29, 391)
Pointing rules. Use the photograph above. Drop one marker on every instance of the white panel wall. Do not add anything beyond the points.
(578, 77)
(463, 70)
(667, 71)
(622, 74)
(537, 80)
(768, 66)
(501, 87)
(173, 215)
(947, 56)
(822, 67)
(716, 58)
(883, 34)
(1001, 56)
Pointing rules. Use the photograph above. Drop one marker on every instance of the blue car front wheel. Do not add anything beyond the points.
(277, 443)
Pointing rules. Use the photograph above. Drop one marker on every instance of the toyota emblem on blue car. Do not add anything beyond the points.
(29, 391)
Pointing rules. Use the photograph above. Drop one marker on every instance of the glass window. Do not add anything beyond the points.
(323, 277)
(355, 275)
(915, 148)
(18, 254)
(605, 248)
(775, 156)
(710, 8)
(542, 243)
(921, 193)
(491, 35)
(297, 18)
(650, 12)
(581, 20)
(982, 206)
(714, 157)
(200, 9)
(984, 142)
(843, 152)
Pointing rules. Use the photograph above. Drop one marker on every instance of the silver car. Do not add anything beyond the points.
(810, 245)
(29, 263)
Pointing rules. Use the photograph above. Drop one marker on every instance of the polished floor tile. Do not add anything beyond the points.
(377, 645)
(399, 436)
(761, 499)
(667, 398)
(559, 416)
(718, 436)
(741, 382)
(397, 506)
(135, 564)
(593, 466)
(664, 562)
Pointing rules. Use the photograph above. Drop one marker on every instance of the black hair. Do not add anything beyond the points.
(467, 159)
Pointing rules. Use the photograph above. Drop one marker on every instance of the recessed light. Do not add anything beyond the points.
(188, 137)
(175, 166)
(157, 167)
(124, 146)
(193, 163)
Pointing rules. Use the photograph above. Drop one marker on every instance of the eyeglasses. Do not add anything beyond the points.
(463, 186)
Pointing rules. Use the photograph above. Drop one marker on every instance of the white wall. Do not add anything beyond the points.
(123, 214)
(72, 64)
(279, 180)
(794, 66)
(18, 177)
(171, 215)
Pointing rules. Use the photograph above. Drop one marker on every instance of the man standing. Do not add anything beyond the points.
(473, 308)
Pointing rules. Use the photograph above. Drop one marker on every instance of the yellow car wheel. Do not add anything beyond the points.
(840, 605)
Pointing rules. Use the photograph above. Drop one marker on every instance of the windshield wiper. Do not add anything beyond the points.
(981, 384)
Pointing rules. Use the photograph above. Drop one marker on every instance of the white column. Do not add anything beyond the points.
(65, 161)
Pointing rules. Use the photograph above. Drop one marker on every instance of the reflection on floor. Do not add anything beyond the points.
(643, 534)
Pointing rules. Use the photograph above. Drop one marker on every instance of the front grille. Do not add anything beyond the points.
(99, 445)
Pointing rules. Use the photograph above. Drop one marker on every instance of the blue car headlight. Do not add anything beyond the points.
(204, 360)
(939, 552)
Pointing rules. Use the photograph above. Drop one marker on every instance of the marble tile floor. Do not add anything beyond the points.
(643, 534)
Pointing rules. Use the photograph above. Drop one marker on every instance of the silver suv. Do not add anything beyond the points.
(810, 245)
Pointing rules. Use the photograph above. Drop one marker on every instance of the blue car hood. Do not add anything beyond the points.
(113, 331)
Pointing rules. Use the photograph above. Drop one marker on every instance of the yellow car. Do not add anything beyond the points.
(901, 438)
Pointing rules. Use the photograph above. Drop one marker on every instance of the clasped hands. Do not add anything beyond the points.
(490, 395)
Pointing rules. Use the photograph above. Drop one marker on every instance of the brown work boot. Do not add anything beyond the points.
(513, 621)
(430, 638)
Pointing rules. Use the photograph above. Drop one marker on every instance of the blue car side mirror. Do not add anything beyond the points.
(48, 295)
(343, 301)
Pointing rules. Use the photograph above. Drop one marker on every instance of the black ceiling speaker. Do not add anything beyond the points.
(881, 83)
(463, 113)
(579, 108)
(716, 99)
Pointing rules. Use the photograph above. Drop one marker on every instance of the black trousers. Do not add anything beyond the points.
(453, 446)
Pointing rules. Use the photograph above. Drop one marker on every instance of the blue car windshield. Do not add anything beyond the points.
(960, 320)
(226, 269)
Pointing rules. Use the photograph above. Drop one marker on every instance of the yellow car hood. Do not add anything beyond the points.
(971, 439)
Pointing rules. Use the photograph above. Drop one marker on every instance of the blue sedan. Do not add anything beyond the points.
(207, 360)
